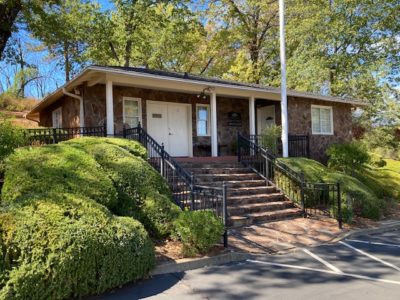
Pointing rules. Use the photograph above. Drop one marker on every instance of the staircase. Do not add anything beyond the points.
(250, 200)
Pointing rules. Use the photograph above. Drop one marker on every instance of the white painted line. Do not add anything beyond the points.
(327, 264)
(324, 271)
(373, 243)
(371, 256)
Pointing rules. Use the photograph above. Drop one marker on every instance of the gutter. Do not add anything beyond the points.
(80, 98)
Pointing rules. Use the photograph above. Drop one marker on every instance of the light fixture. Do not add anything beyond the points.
(203, 95)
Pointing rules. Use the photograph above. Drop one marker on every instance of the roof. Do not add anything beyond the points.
(180, 77)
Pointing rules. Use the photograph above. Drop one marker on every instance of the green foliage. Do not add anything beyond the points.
(68, 247)
(359, 196)
(56, 169)
(347, 157)
(269, 138)
(11, 138)
(59, 235)
(198, 231)
(157, 213)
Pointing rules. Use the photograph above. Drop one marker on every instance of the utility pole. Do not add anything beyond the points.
(284, 110)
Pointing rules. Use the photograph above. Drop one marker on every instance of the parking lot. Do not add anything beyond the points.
(360, 267)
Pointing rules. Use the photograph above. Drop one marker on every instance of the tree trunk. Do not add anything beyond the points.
(9, 12)
(67, 65)
(128, 49)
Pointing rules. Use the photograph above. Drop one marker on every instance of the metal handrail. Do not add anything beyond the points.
(314, 198)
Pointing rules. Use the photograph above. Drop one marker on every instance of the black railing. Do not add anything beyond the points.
(186, 193)
(56, 135)
(313, 198)
(299, 145)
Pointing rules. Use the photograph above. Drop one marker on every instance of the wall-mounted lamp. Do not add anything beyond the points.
(203, 95)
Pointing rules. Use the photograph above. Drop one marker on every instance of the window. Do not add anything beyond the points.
(132, 111)
(322, 120)
(57, 118)
(203, 119)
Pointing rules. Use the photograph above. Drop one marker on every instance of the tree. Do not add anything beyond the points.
(64, 30)
(12, 11)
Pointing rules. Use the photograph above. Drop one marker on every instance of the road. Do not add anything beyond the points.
(362, 267)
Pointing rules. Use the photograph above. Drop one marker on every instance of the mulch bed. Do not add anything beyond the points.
(170, 250)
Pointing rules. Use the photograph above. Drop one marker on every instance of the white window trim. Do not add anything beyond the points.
(208, 119)
(331, 114)
(52, 116)
(139, 100)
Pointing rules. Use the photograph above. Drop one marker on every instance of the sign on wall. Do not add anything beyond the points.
(234, 119)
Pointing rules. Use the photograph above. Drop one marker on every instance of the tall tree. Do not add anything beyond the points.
(64, 29)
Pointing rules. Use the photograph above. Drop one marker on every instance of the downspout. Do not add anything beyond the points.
(80, 98)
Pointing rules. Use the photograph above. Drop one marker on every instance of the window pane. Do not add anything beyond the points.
(132, 121)
(315, 120)
(131, 108)
(325, 117)
(202, 120)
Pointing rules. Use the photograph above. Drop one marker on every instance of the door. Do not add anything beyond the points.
(265, 117)
(168, 123)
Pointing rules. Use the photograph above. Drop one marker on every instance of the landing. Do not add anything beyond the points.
(207, 159)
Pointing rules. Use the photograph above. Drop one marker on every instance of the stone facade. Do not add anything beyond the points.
(70, 113)
(299, 110)
(299, 115)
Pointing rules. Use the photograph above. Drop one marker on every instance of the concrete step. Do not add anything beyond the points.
(255, 190)
(251, 199)
(204, 178)
(262, 217)
(219, 170)
(244, 209)
(194, 165)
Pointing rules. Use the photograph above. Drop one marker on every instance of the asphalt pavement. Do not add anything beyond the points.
(360, 267)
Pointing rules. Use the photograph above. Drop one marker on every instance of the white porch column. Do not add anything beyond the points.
(252, 116)
(109, 108)
(81, 114)
(284, 109)
(214, 131)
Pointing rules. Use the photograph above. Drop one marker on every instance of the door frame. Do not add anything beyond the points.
(258, 116)
(188, 107)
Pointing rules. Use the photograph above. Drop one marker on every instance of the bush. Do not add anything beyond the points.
(198, 231)
(32, 173)
(157, 213)
(347, 157)
(270, 137)
(11, 137)
(70, 247)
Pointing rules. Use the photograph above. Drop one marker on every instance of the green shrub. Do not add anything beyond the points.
(70, 247)
(198, 231)
(347, 157)
(269, 138)
(157, 213)
(56, 169)
(11, 137)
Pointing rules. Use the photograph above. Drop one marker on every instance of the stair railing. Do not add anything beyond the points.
(187, 194)
(313, 198)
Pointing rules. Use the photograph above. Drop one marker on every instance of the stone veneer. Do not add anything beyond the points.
(299, 110)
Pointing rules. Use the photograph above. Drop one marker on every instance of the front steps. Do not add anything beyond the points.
(250, 200)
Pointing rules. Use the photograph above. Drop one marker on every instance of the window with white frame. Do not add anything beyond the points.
(57, 118)
(203, 119)
(132, 111)
(322, 119)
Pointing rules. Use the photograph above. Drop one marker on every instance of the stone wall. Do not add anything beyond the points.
(70, 113)
(299, 115)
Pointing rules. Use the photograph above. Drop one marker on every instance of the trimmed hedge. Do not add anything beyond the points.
(70, 247)
(142, 192)
(198, 231)
(32, 173)
(58, 235)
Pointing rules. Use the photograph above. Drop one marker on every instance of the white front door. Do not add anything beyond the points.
(169, 123)
(265, 117)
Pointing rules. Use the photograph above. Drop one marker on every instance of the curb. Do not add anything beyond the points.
(187, 264)
(382, 229)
